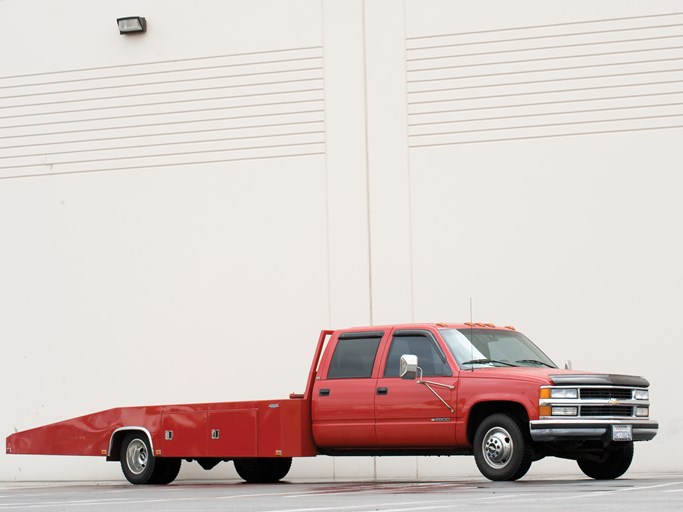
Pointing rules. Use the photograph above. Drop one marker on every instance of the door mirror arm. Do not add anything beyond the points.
(410, 370)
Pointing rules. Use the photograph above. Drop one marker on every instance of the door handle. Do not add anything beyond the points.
(325, 392)
(382, 391)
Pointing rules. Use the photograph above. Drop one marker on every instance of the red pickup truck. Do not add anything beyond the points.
(417, 389)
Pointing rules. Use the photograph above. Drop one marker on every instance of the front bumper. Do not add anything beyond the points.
(589, 430)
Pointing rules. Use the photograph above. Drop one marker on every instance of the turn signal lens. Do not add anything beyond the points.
(544, 393)
(544, 410)
(642, 412)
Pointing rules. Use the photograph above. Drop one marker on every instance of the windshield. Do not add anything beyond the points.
(478, 348)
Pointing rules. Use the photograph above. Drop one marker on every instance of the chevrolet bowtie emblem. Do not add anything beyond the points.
(614, 401)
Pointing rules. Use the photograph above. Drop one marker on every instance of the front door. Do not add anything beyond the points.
(408, 414)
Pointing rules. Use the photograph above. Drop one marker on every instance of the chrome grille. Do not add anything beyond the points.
(606, 410)
(592, 402)
(618, 393)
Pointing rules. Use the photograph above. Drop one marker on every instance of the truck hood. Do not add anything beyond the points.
(559, 377)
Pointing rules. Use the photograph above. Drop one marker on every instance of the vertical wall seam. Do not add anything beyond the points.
(410, 188)
(327, 195)
(367, 184)
(367, 164)
(408, 171)
(327, 175)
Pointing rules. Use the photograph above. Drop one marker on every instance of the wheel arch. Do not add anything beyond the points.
(482, 410)
(116, 440)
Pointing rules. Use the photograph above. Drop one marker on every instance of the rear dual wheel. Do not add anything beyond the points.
(263, 470)
(615, 463)
(141, 467)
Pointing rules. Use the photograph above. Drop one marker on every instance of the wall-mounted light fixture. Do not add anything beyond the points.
(132, 25)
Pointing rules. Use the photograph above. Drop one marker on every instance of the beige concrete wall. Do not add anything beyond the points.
(207, 193)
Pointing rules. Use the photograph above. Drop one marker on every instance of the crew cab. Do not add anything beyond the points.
(412, 389)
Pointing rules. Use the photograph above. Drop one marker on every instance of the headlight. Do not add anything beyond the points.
(565, 411)
(641, 394)
(564, 393)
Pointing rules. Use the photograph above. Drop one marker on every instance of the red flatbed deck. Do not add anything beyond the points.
(264, 428)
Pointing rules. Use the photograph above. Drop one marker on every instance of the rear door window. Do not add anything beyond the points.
(354, 357)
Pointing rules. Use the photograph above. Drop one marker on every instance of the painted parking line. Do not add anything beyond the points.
(631, 489)
(423, 488)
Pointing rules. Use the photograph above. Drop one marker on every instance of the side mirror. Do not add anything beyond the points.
(408, 368)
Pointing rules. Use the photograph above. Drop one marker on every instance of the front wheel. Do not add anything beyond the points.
(614, 463)
(263, 470)
(501, 449)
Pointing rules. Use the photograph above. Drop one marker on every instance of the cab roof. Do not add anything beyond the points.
(437, 325)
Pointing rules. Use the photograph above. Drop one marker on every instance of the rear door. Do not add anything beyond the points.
(344, 396)
(408, 414)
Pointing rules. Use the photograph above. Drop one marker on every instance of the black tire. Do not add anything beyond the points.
(165, 471)
(137, 460)
(502, 448)
(616, 462)
(263, 470)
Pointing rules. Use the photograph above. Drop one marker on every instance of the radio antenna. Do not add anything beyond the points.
(471, 337)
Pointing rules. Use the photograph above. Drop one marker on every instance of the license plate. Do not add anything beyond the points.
(622, 433)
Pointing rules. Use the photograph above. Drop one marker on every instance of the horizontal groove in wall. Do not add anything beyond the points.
(544, 135)
(222, 108)
(306, 79)
(169, 139)
(500, 127)
(238, 64)
(201, 147)
(433, 125)
(50, 171)
(593, 76)
(445, 52)
(161, 108)
(146, 129)
(579, 26)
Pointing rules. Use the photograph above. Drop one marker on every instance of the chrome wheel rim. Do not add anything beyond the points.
(497, 447)
(136, 456)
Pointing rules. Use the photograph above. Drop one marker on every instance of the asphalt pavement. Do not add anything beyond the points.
(660, 493)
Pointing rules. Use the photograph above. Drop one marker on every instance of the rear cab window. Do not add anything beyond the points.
(354, 355)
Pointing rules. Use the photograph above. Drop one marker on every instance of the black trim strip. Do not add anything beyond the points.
(599, 379)
(357, 335)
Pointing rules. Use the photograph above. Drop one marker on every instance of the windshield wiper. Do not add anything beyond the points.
(535, 361)
(485, 361)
